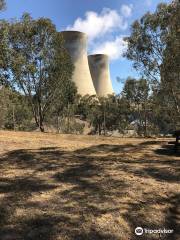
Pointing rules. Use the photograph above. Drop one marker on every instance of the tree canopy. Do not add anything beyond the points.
(39, 65)
(154, 48)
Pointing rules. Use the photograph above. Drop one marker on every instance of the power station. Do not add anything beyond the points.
(91, 73)
(99, 69)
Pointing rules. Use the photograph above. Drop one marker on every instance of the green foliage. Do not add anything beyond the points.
(4, 52)
(154, 48)
(153, 39)
(136, 93)
(71, 126)
(66, 97)
(170, 69)
(85, 105)
(103, 114)
(147, 42)
(40, 66)
(4, 104)
(66, 121)
(15, 112)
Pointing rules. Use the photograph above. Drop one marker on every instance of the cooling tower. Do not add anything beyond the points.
(76, 44)
(99, 69)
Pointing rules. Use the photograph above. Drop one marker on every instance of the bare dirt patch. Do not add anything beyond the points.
(67, 187)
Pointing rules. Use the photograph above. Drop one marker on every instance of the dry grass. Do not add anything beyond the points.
(66, 187)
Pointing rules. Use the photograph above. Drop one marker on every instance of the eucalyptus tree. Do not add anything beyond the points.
(136, 92)
(40, 66)
(4, 51)
(154, 48)
(170, 69)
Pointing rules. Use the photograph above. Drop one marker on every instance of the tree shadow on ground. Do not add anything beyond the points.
(168, 150)
(151, 142)
(93, 193)
(172, 220)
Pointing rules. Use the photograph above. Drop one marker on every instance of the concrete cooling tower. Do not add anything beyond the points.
(76, 44)
(99, 68)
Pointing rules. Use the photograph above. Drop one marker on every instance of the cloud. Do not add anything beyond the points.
(114, 49)
(126, 10)
(102, 27)
(96, 25)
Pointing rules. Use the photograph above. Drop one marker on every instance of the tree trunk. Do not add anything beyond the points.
(99, 129)
(145, 120)
(41, 127)
(58, 125)
(104, 123)
(41, 117)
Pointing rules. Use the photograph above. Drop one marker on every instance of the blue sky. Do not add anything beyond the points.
(105, 21)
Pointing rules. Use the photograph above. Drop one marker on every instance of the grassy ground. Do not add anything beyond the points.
(65, 187)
